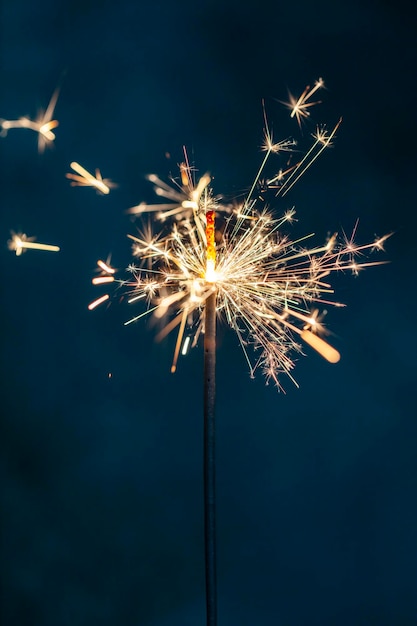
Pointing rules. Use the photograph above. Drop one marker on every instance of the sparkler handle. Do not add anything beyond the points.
(209, 458)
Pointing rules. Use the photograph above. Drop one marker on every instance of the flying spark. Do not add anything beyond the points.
(106, 276)
(43, 125)
(83, 178)
(299, 107)
(20, 242)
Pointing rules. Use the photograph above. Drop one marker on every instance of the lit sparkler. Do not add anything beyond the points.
(265, 284)
(20, 242)
(83, 178)
(210, 260)
(43, 125)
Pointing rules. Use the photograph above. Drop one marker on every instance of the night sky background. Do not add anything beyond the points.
(102, 510)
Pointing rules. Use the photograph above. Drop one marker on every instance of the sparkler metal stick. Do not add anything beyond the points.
(209, 458)
(209, 427)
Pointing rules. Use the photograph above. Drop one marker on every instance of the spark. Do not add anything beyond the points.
(184, 195)
(379, 242)
(106, 276)
(105, 267)
(285, 145)
(185, 346)
(43, 125)
(101, 280)
(97, 302)
(322, 141)
(83, 178)
(300, 106)
(20, 242)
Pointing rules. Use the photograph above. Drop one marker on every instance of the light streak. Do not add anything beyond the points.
(300, 107)
(20, 242)
(321, 346)
(97, 302)
(83, 178)
(106, 276)
(105, 267)
(43, 125)
(185, 346)
(101, 280)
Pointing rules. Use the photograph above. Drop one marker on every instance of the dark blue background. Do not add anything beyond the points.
(102, 478)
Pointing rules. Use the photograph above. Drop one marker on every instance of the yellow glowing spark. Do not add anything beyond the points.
(285, 145)
(300, 107)
(321, 346)
(185, 346)
(106, 277)
(97, 302)
(85, 179)
(19, 243)
(43, 125)
(379, 243)
(184, 198)
(307, 161)
(105, 267)
(101, 280)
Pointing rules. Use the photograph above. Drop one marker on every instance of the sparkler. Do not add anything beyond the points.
(209, 423)
(20, 242)
(44, 125)
(233, 260)
(265, 283)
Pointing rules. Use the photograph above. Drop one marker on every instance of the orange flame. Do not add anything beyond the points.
(211, 248)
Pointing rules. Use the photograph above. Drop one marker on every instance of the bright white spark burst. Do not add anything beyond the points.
(267, 286)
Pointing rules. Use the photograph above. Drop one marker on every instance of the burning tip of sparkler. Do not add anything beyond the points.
(210, 275)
